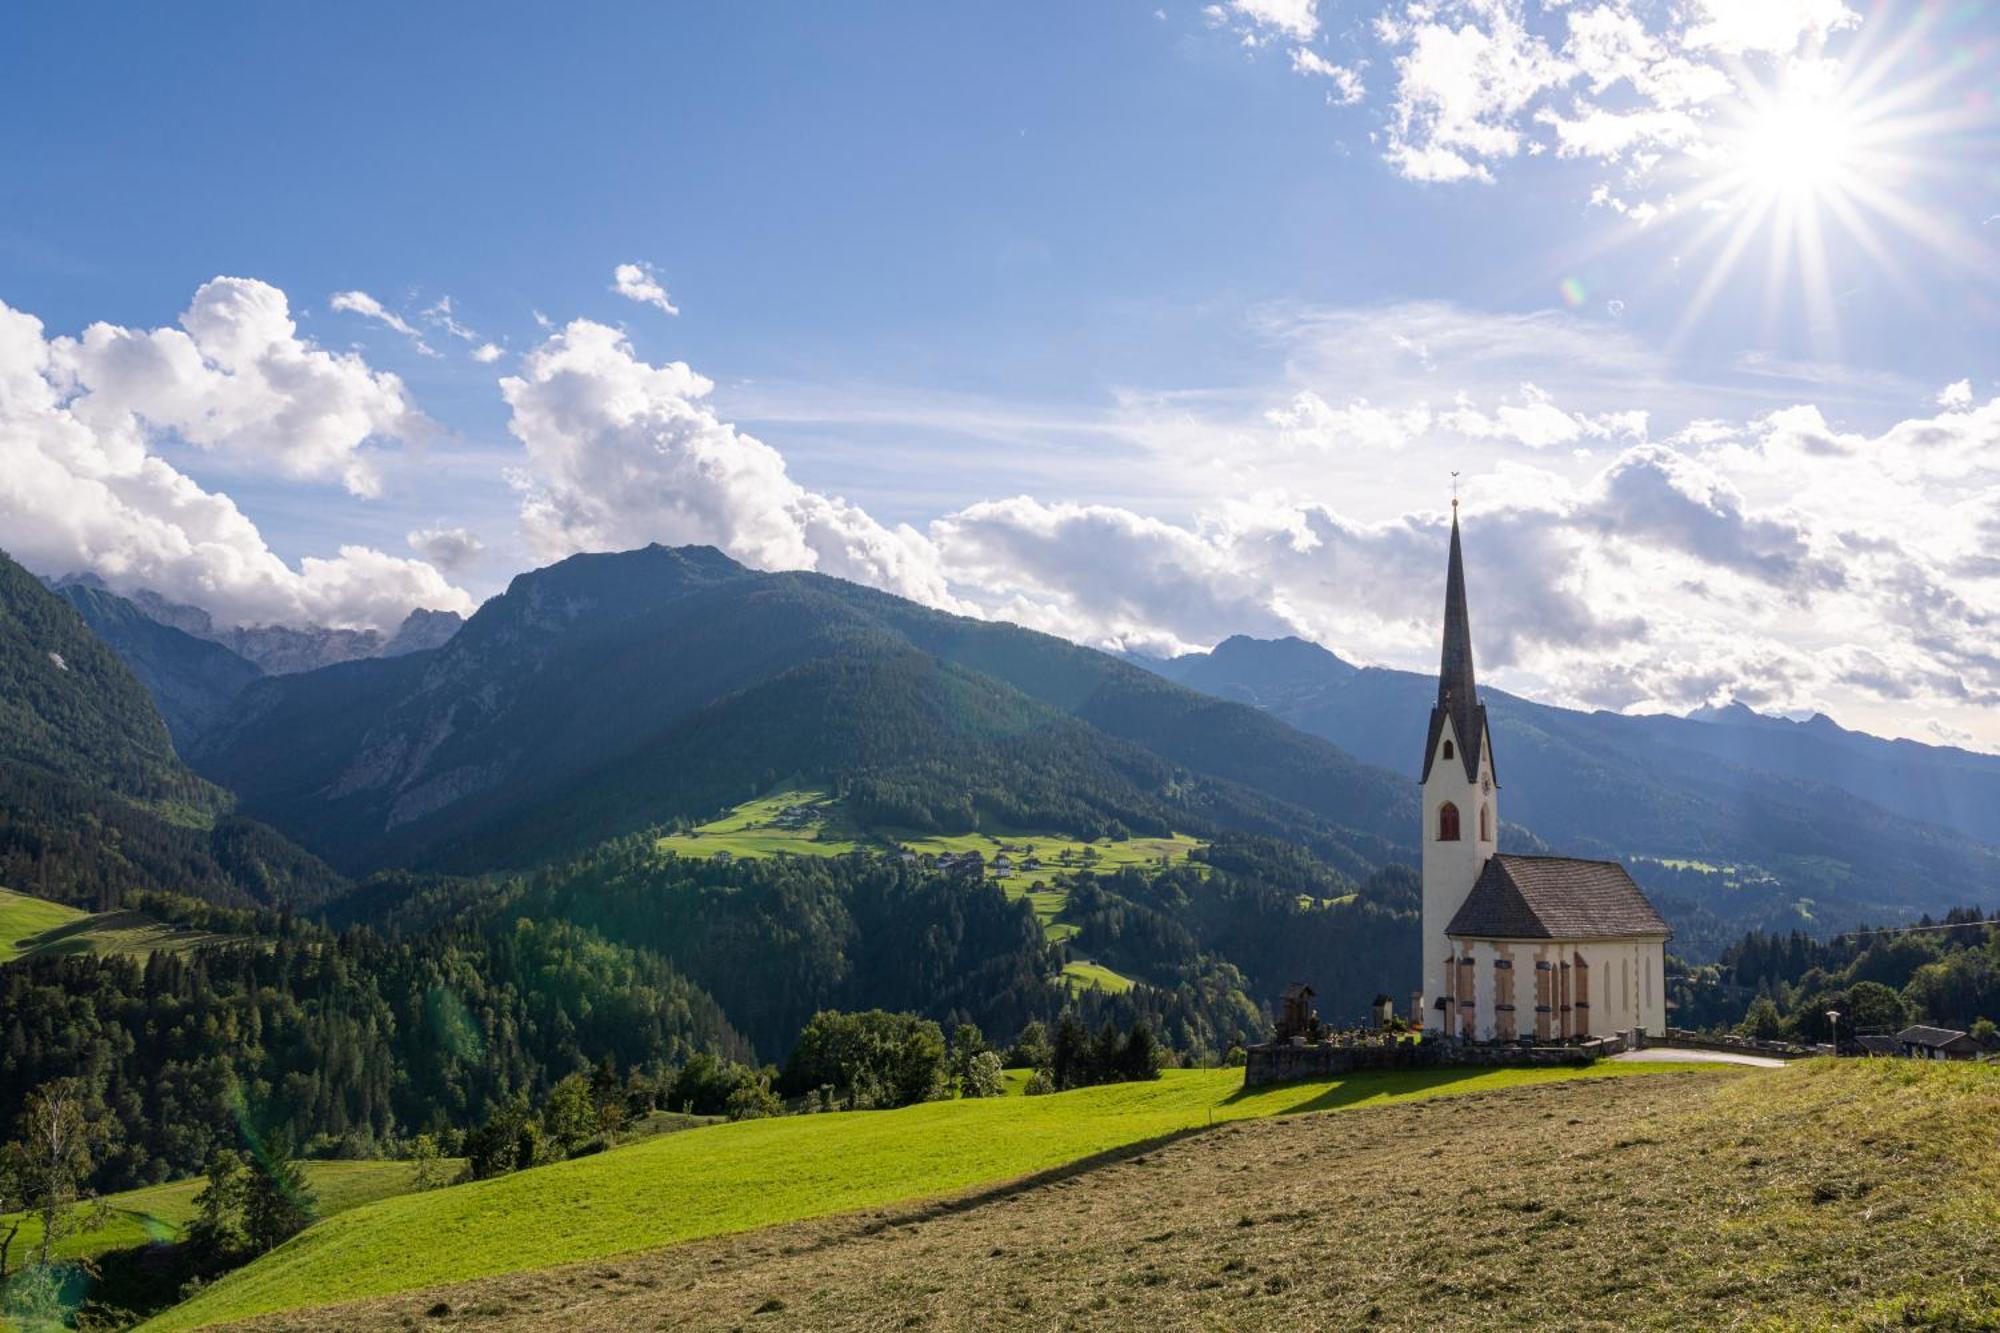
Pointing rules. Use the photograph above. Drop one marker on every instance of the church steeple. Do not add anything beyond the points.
(1458, 694)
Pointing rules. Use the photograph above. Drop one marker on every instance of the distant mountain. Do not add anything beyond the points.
(283, 649)
(1940, 784)
(94, 803)
(421, 631)
(1748, 820)
(609, 692)
(190, 680)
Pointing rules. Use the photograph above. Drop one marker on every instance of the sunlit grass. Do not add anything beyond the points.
(735, 1177)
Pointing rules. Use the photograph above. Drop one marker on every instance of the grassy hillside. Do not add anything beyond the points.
(34, 928)
(732, 1178)
(22, 918)
(158, 1212)
(1859, 1195)
(759, 828)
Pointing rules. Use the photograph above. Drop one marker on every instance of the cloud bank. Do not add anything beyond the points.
(87, 424)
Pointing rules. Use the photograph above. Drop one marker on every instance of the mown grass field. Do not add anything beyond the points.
(1853, 1194)
(737, 1177)
(158, 1212)
(23, 917)
(1084, 975)
(33, 927)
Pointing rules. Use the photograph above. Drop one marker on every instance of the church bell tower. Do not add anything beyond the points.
(1461, 798)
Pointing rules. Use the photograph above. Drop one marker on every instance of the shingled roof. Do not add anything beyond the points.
(1554, 897)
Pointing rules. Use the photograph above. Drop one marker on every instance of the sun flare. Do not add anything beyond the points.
(1800, 147)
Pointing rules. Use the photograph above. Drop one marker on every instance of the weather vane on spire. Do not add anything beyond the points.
(1454, 492)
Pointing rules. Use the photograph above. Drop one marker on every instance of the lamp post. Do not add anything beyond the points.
(1833, 1027)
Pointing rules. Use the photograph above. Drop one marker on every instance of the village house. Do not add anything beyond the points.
(1548, 947)
(1929, 1043)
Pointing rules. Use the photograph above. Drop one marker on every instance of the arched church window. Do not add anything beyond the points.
(1486, 823)
(1449, 753)
(1447, 822)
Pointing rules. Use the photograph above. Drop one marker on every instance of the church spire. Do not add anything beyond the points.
(1458, 695)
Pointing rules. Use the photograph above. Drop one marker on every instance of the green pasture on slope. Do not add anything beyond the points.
(1082, 974)
(158, 1212)
(22, 918)
(36, 928)
(753, 829)
(755, 1173)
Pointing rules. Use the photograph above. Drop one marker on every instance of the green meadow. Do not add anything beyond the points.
(36, 928)
(755, 829)
(735, 1177)
(23, 918)
(158, 1212)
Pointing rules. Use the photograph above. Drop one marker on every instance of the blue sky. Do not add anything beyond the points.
(1143, 324)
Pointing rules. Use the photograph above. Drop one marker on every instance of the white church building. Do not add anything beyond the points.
(1518, 946)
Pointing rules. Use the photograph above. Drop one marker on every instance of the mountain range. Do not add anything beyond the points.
(1740, 817)
(611, 692)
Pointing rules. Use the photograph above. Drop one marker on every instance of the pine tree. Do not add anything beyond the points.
(280, 1201)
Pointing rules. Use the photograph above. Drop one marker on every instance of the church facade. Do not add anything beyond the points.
(1546, 947)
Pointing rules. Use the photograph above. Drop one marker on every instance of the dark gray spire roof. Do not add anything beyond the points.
(1554, 897)
(1458, 695)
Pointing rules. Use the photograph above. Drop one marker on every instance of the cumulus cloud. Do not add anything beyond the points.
(620, 453)
(236, 377)
(366, 306)
(487, 353)
(638, 282)
(451, 550)
(1955, 395)
(88, 486)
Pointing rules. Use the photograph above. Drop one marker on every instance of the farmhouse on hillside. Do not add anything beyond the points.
(1929, 1043)
(1547, 947)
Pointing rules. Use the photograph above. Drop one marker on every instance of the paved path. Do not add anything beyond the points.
(1675, 1055)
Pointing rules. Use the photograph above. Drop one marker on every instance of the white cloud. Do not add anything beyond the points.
(1466, 73)
(621, 453)
(366, 306)
(486, 353)
(452, 550)
(1955, 395)
(1295, 19)
(441, 315)
(236, 377)
(1771, 27)
(638, 282)
(1347, 86)
(1310, 421)
(86, 485)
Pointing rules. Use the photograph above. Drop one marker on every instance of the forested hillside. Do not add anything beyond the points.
(94, 803)
(191, 680)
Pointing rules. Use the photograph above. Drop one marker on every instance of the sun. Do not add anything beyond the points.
(1799, 147)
